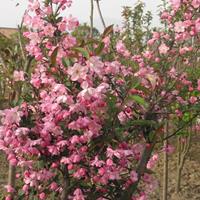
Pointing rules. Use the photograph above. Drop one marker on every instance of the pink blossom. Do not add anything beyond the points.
(54, 186)
(193, 100)
(106, 42)
(198, 84)
(151, 42)
(34, 51)
(113, 175)
(111, 153)
(163, 48)
(102, 171)
(96, 162)
(133, 176)
(122, 117)
(18, 75)
(8, 197)
(53, 150)
(10, 189)
(96, 65)
(175, 3)
(75, 139)
(48, 10)
(42, 196)
(49, 30)
(65, 160)
(25, 188)
(121, 49)
(10, 116)
(77, 72)
(196, 3)
(33, 36)
(21, 131)
(62, 26)
(109, 162)
(79, 173)
(71, 23)
(78, 195)
(69, 41)
(169, 149)
(152, 161)
(197, 25)
(179, 27)
(75, 158)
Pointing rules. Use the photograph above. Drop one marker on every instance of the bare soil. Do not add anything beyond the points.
(190, 184)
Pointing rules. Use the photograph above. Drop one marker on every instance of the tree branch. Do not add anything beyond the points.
(183, 126)
(100, 13)
(91, 18)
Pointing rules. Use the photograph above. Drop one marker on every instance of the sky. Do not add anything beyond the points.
(11, 15)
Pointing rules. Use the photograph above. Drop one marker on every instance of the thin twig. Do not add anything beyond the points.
(183, 126)
(100, 13)
(91, 18)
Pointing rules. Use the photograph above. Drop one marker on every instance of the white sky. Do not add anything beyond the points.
(10, 15)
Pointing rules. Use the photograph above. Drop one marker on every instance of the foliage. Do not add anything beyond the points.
(83, 32)
(136, 27)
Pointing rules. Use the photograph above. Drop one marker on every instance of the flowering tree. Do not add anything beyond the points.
(91, 121)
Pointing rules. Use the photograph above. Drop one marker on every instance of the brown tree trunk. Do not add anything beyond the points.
(11, 177)
(66, 184)
(165, 167)
(183, 149)
(140, 171)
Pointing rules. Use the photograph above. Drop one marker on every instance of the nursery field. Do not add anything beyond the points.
(190, 185)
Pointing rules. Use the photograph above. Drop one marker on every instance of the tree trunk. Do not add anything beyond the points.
(66, 184)
(183, 149)
(165, 167)
(11, 177)
(178, 180)
(140, 171)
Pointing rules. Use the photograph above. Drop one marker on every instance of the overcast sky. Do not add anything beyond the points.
(10, 15)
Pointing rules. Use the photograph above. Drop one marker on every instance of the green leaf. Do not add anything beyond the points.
(112, 100)
(17, 102)
(21, 195)
(83, 51)
(186, 117)
(91, 41)
(99, 49)
(66, 62)
(183, 133)
(134, 83)
(139, 100)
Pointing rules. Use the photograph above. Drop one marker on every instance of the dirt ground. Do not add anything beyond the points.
(190, 185)
(3, 172)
